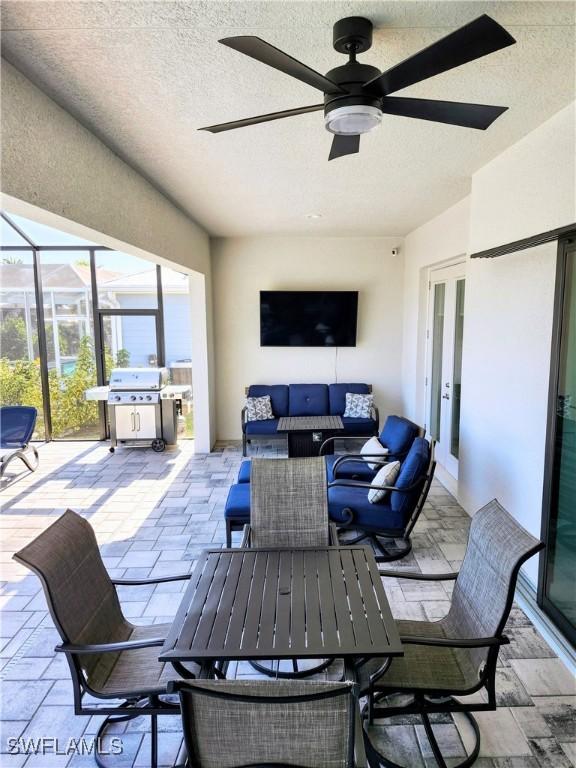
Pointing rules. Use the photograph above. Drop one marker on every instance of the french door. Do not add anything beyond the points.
(556, 591)
(445, 332)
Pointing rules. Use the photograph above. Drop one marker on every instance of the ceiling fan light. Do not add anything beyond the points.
(353, 120)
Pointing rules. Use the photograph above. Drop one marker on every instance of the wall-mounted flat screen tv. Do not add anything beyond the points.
(308, 318)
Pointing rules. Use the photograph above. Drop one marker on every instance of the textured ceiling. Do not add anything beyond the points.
(144, 75)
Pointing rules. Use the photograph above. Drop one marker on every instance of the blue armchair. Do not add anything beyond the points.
(17, 423)
(397, 436)
(392, 519)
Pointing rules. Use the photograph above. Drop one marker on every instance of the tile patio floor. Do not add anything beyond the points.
(152, 515)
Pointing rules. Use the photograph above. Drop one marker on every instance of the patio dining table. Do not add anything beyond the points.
(273, 604)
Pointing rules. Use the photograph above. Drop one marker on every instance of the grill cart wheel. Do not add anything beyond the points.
(158, 445)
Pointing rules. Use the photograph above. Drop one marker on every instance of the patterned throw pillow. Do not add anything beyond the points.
(371, 448)
(259, 408)
(386, 476)
(358, 406)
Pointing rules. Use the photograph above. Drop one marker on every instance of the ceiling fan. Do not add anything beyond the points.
(356, 95)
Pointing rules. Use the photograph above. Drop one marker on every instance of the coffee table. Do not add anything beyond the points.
(307, 433)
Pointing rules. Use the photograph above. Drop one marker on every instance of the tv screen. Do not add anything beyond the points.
(308, 318)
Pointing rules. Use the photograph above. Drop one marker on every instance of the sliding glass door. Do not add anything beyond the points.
(557, 593)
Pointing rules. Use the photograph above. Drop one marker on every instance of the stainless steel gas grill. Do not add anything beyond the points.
(143, 408)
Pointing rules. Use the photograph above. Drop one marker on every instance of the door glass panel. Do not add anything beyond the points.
(437, 350)
(129, 342)
(20, 382)
(457, 369)
(68, 323)
(178, 339)
(561, 554)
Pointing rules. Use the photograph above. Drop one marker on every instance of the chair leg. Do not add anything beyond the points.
(110, 720)
(244, 444)
(153, 741)
(391, 551)
(228, 534)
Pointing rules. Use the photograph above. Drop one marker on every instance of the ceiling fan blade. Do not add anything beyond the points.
(261, 119)
(479, 116)
(344, 145)
(262, 51)
(476, 39)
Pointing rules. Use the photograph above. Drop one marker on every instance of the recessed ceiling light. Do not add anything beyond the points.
(313, 216)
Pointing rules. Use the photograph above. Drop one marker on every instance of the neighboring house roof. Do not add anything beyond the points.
(77, 277)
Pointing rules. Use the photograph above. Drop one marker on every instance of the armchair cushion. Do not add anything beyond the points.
(398, 433)
(353, 468)
(337, 396)
(369, 517)
(278, 396)
(308, 400)
(267, 427)
(413, 468)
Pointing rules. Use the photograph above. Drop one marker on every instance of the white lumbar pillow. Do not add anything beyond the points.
(386, 476)
(373, 447)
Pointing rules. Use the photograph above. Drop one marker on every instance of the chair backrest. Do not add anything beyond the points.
(308, 400)
(484, 590)
(233, 723)
(80, 595)
(398, 434)
(289, 503)
(415, 471)
(17, 424)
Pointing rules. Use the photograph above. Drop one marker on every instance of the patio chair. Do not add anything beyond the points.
(457, 655)
(397, 436)
(260, 724)
(289, 508)
(387, 524)
(17, 423)
(109, 657)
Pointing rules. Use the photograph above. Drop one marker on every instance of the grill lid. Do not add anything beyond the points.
(138, 378)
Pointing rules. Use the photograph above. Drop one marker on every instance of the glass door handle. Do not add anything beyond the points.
(133, 420)
(139, 424)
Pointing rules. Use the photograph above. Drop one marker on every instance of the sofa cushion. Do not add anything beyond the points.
(359, 406)
(359, 427)
(244, 472)
(308, 400)
(238, 502)
(352, 469)
(267, 427)
(278, 395)
(413, 468)
(337, 396)
(371, 517)
(398, 434)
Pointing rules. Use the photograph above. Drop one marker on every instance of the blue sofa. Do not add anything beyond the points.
(306, 400)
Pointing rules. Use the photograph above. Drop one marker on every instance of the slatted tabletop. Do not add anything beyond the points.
(309, 424)
(282, 604)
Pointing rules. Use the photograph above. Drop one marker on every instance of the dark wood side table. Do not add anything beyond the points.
(307, 433)
(325, 602)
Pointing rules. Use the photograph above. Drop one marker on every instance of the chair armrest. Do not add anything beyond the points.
(340, 437)
(360, 759)
(449, 642)
(246, 537)
(159, 580)
(125, 645)
(360, 484)
(420, 576)
(243, 418)
(376, 417)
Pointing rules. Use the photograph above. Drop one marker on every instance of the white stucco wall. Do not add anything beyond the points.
(56, 171)
(528, 189)
(244, 266)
